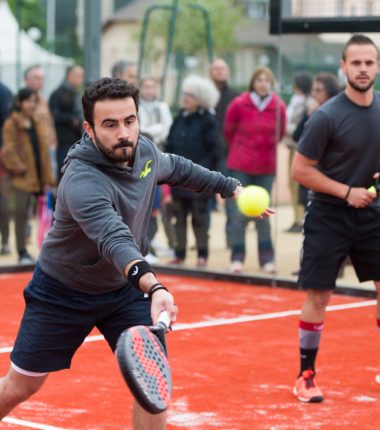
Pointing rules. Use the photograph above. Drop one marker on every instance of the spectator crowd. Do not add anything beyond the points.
(216, 126)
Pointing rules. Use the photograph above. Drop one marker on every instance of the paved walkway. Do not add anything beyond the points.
(287, 246)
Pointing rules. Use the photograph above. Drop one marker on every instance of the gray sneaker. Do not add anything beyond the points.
(25, 258)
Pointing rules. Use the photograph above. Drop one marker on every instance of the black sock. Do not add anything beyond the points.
(308, 357)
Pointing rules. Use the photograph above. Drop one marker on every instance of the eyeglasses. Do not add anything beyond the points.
(318, 90)
(186, 94)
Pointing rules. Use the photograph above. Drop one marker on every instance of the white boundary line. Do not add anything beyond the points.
(237, 320)
(189, 326)
(30, 424)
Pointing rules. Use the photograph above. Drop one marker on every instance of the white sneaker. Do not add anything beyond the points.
(236, 266)
(269, 268)
(377, 379)
(151, 259)
(26, 259)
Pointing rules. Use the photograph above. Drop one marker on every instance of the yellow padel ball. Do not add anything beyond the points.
(253, 200)
(372, 189)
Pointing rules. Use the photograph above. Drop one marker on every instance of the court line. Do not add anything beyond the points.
(237, 320)
(30, 424)
(187, 326)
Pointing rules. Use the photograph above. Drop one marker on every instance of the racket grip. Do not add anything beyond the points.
(164, 320)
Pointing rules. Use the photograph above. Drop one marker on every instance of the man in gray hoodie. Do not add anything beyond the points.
(91, 270)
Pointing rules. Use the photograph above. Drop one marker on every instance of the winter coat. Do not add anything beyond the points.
(67, 112)
(252, 135)
(195, 136)
(18, 156)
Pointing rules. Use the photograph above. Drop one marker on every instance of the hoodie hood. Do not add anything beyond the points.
(86, 151)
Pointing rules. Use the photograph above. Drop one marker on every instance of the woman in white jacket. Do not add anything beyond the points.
(155, 116)
(155, 121)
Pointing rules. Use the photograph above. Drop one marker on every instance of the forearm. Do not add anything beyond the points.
(310, 177)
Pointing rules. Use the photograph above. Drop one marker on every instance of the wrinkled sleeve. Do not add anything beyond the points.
(178, 171)
(316, 136)
(96, 216)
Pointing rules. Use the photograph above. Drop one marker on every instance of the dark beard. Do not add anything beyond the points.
(124, 157)
(356, 87)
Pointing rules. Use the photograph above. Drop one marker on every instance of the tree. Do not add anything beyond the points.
(190, 33)
(190, 30)
(30, 13)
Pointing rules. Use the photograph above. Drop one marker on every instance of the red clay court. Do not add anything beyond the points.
(234, 358)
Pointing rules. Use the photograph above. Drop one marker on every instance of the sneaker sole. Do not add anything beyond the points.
(377, 379)
(315, 399)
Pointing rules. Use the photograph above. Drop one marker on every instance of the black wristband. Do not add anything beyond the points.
(348, 193)
(154, 288)
(137, 270)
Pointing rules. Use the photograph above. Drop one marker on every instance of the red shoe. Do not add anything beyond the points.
(306, 390)
(202, 262)
(177, 261)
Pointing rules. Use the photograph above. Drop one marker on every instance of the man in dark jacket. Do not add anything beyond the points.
(6, 100)
(220, 74)
(67, 112)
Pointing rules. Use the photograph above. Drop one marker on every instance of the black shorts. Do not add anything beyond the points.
(331, 233)
(57, 319)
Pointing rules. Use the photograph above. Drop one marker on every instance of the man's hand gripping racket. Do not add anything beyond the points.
(141, 353)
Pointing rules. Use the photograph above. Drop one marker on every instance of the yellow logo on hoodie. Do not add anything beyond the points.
(146, 170)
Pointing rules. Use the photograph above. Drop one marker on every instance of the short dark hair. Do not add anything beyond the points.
(70, 68)
(29, 69)
(303, 81)
(120, 67)
(106, 88)
(330, 83)
(23, 94)
(358, 39)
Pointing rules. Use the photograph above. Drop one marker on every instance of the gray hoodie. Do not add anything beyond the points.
(102, 212)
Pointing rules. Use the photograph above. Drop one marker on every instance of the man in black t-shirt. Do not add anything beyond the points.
(338, 158)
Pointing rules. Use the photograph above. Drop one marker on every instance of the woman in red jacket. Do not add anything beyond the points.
(255, 123)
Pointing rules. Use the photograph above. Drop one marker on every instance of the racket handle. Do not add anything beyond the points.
(164, 320)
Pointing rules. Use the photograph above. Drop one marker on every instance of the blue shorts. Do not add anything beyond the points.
(57, 319)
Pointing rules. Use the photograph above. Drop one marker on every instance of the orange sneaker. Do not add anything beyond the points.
(306, 390)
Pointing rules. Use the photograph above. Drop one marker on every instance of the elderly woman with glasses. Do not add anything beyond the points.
(195, 135)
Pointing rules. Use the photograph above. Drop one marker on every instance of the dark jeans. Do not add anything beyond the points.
(239, 222)
(4, 208)
(21, 212)
(229, 207)
(198, 208)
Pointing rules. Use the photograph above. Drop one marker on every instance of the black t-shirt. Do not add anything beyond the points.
(345, 139)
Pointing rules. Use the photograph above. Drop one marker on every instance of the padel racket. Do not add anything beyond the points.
(142, 357)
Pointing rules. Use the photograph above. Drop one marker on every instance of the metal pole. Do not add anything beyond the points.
(92, 27)
(169, 46)
(144, 32)
(50, 24)
(18, 44)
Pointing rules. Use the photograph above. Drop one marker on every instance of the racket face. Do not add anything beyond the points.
(145, 368)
